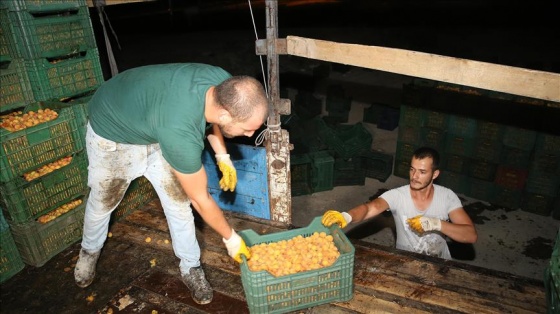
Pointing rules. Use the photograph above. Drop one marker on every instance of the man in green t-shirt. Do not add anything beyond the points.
(152, 121)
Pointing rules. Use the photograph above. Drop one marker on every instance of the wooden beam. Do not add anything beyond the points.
(489, 76)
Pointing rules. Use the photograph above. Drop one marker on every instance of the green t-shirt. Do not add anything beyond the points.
(158, 104)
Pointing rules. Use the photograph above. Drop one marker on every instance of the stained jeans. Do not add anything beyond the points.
(112, 166)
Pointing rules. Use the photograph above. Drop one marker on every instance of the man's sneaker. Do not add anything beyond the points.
(85, 268)
(200, 288)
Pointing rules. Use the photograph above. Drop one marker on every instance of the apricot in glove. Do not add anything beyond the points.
(331, 217)
(423, 224)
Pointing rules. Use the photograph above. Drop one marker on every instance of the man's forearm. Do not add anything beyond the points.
(214, 217)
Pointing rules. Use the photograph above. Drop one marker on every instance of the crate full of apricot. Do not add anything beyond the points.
(41, 133)
(297, 269)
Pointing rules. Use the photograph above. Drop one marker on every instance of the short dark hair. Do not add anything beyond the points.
(424, 152)
(241, 95)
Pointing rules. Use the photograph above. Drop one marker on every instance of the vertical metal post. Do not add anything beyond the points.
(277, 143)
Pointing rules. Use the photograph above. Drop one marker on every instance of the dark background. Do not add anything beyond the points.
(515, 33)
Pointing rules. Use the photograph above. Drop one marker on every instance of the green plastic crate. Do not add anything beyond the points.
(348, 140)
(65, 78)
(436, 120)
(515, 157)
(405, 151)
(15, 88)
(5, 54)
(23, 201)
(519, 138)
(377, 165)
(48, 35)
(433, 137)
(537, 203)
(10, 260)
(402, 168)
(41, 5)
(338, 104)
(552, 279)
(490, 131)
(322, 168)
(552, 291)
(544, 183)
(268, 294)
(28, 149)
(300, 174)
(483, 170)
(546, 162)
(461, 146)
(507, 197)
(137, 195)
(460, 126)
(481, 190)
(547, 143)
(337, 116)
(80, 105)
(490, 151)
(411, 116)
(455, 163)
(410, 134)
(348, 172)
(459, 183)
(38, 243)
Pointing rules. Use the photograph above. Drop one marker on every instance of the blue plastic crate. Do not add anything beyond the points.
(251, 193)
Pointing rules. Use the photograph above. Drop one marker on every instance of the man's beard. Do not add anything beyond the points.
(224, 132)
(421, 187)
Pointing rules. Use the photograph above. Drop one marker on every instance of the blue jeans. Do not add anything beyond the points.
(112, 166)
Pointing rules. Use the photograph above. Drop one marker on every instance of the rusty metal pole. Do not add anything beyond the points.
(277, 143)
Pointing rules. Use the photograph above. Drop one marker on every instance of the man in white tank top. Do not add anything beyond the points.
(424, 212)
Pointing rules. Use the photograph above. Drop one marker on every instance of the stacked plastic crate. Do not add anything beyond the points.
(49, 70)
(10, 259)
(504, 164)
(542, 191)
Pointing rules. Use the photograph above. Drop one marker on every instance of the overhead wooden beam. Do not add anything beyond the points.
(495, 77)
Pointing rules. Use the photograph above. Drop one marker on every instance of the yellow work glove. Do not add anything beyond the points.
(229, 174)
(236, 246)
(331, 217)
(423, 224)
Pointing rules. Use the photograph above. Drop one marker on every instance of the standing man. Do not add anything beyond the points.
(152, 121)
(421, 210)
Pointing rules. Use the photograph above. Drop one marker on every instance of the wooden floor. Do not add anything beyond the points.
(135, 276)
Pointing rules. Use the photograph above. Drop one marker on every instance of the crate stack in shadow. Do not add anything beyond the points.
(49, 62)
(495, 147)
(328, 151)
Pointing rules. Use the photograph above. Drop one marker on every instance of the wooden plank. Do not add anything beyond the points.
(434, 283)
(173, 288)
(501, 78)
(386, 280)
(366, 302)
